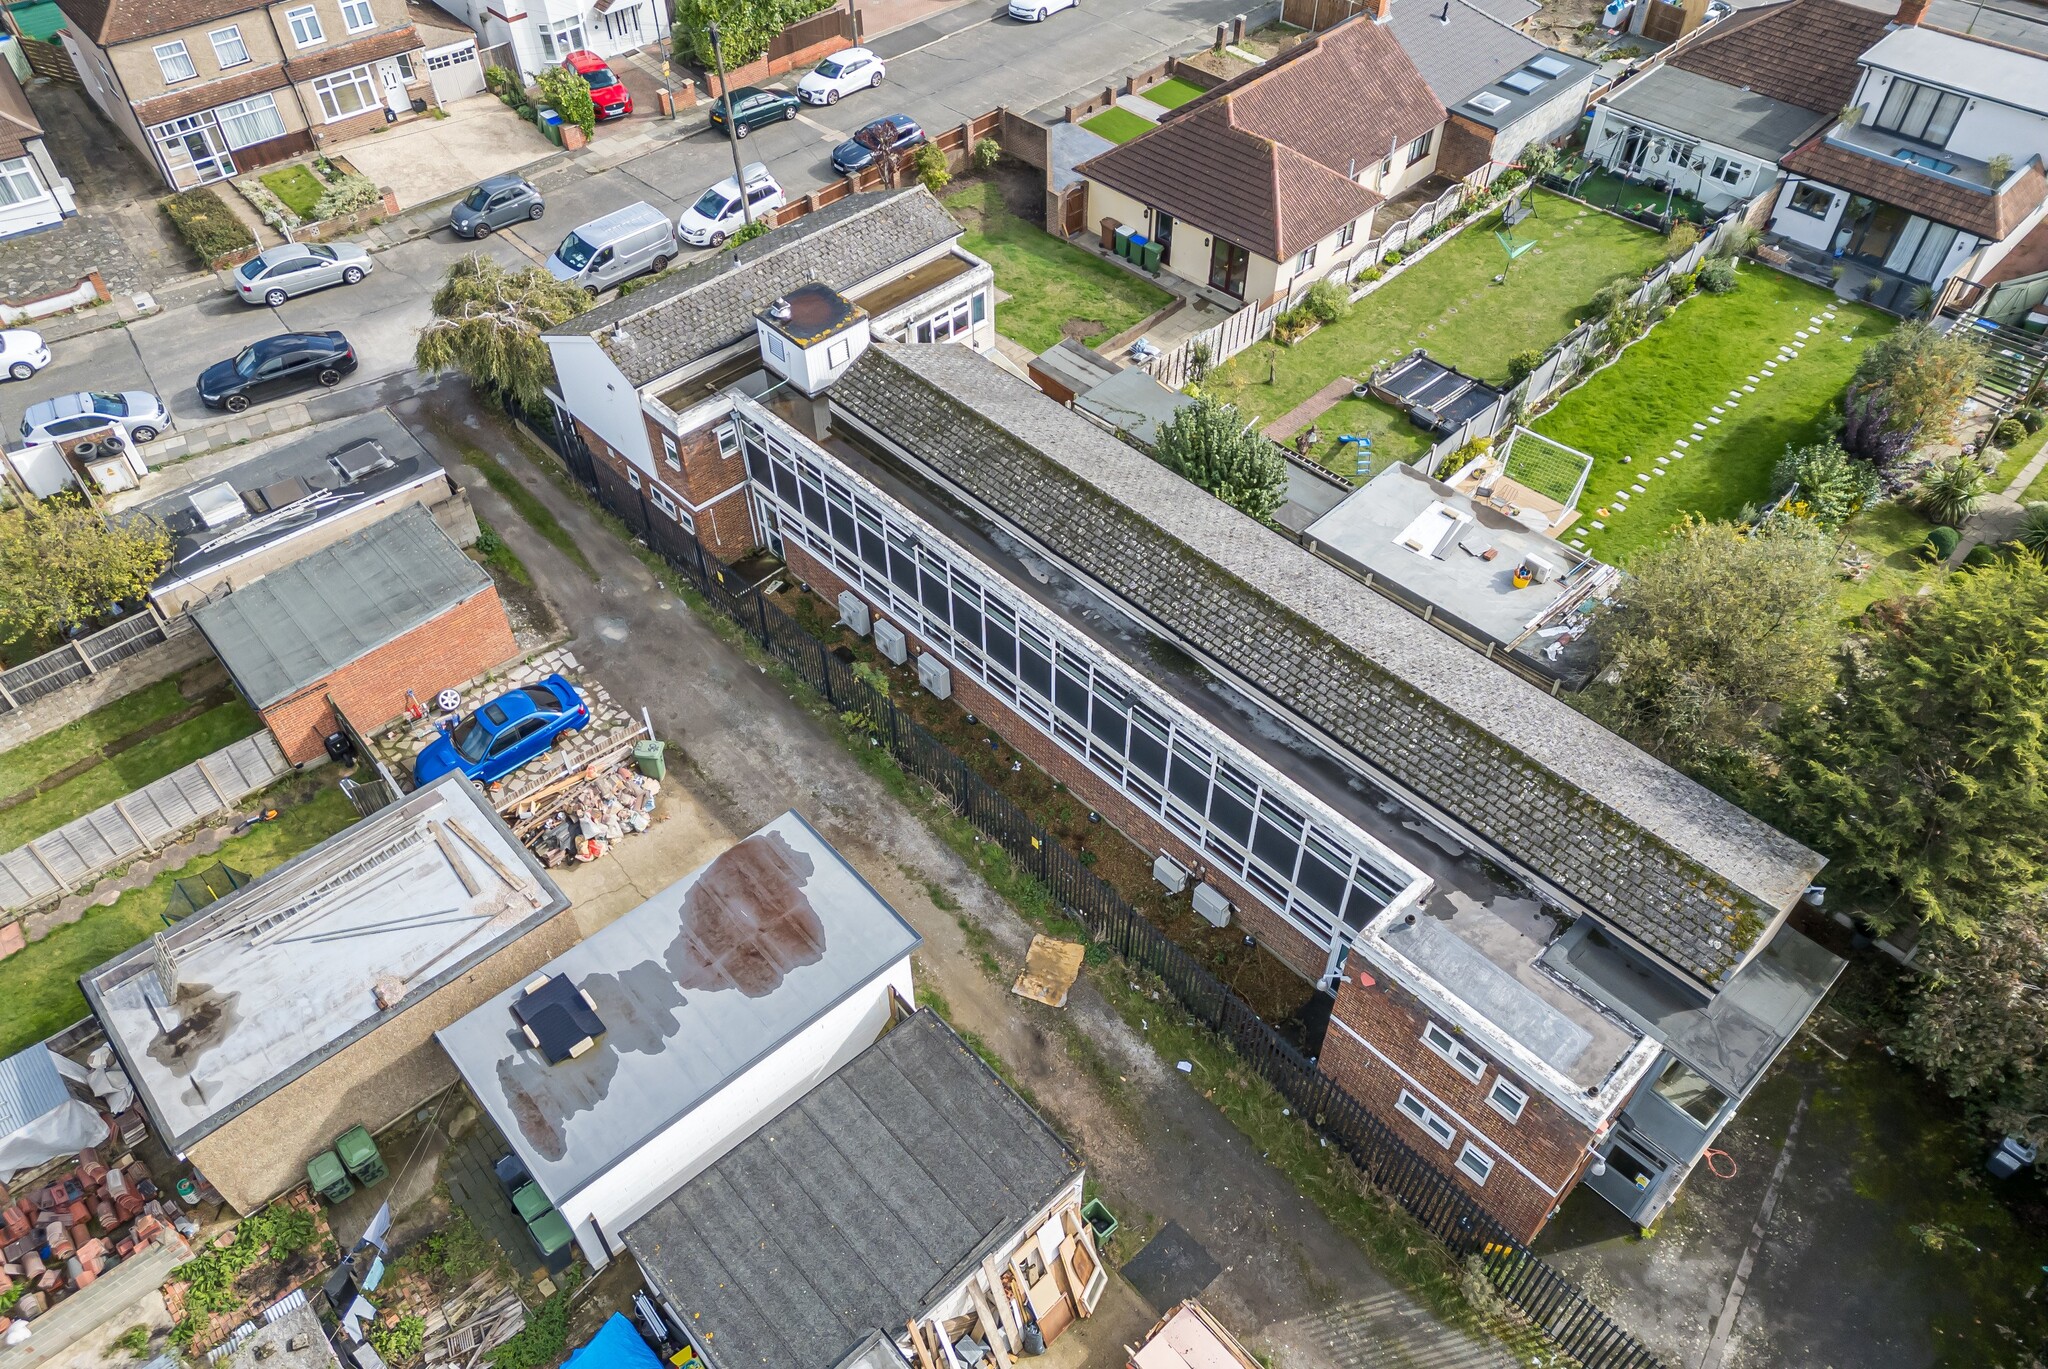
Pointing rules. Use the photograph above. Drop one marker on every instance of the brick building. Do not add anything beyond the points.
(356, 624)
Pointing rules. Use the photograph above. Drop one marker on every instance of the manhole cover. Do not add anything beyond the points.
(1172, 1268)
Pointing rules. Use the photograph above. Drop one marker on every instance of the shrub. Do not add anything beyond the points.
(2029, 418)
(1612, 297)
(1523, 364)
(747, 232)
(568, 94)
(2033, 529)
(1717, 275)
(987, 152)
(1832, 484)
(1684, 285)
(398, 1343)
(524, 111)
(1941, 543)
(1392, 260)
(1738, 241)
(1680, 240)
(930, 165)
(1371, 273)
(1983, 554)
(1951, 489)
(1327, 301)
(134, 1341)
(2010, 432)
(207, 225)
(502, 83)
(1292, 325)
(345, 194)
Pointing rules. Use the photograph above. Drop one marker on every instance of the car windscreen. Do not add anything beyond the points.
(575, 253)
(478, 198)
(830, 70)
(103, 403)
(875, 137)
(712, 204)
(322, 251)
(471, 739)
(245, 363)
(600, 77)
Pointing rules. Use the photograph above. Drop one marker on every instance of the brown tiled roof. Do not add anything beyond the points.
(354, 54)
(18, 122)
(1266, 160)
(120, 21)
(1800, 52)
(239, 86)
(1974, 211)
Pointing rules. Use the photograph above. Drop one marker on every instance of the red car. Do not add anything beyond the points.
(607, 91)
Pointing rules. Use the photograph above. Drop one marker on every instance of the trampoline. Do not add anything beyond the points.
(1437, 398)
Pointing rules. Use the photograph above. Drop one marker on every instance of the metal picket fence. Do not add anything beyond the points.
(1550, 1301)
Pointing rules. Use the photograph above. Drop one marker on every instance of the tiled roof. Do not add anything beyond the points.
(1653, 854)
(710, 305)
(119, 21)
(239, 86)
(1800, 52)
(18, 123)
(1945, 201)
(387, 44)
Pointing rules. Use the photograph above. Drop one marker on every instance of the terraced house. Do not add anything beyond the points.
(207, 89)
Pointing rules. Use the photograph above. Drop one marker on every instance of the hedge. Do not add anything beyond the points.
(207, 225)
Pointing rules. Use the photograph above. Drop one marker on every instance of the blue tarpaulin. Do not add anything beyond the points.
(617, 1345)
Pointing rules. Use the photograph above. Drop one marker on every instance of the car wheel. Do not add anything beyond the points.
(741, 130)
(351, 276)
(876, 84)
(330, 377)
(661, 263)
(236, 403)
(1038, 17)
(718, 239)
(275, 298)
(21, 370)
(831, 97)
(536, 211)
(789, 114)
(483, 230)
(591, 290)
(145, 433)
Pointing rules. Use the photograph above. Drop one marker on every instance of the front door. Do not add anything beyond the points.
(394, 86)
(1228, 264)
(1162, 230)
(204, 148)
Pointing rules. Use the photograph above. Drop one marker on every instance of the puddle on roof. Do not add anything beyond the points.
(204, 1020)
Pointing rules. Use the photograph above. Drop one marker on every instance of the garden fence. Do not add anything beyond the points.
(87, 657)
(1225, 340)
(1549, 1300)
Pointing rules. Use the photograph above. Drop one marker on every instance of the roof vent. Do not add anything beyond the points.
(1444, 15)
(1552, 67)
(558, 1019)
(359, 459)
(781, 311)
(217, 505)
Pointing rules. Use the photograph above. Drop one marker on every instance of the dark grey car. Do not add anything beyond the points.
(495, 203)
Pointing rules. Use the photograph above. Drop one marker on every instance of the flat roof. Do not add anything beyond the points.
(300, 623)
(854, 1210)
(695, 987)
(1716, 112)
(304, 962)
(1075, 366)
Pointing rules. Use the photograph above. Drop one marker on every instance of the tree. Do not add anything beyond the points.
(1832, 486)
(488, 320)
(62, 563)
(1213, 445)
(1924, 776)
(745, 27)
(1979, 1023)
(1906, 390)
(1717, 627)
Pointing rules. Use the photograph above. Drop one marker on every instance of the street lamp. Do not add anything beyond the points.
(732, 131)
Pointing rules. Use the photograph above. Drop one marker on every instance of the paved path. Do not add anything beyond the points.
(1283, 428)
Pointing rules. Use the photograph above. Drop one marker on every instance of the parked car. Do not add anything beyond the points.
(138, 413)
(505, 733)
(753, 106)
(840, 74)
(275, 274)
(495, 203)
(625, 242)
(717, 214)
(607, 91)
(22, 352)
(1031, 11)
(898, 132)
(289, 361)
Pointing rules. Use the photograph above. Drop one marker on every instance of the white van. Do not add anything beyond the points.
(622, 244)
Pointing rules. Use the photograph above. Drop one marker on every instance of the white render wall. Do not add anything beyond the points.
(596, 391)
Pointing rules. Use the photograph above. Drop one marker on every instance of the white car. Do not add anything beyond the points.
(841, 74)
(717, 214)
(1031, 11)
(22, 352)
(138, 413)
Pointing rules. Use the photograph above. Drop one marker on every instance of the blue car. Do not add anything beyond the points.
(505, 733)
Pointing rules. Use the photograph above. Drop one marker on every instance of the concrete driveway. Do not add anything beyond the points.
(423, 160)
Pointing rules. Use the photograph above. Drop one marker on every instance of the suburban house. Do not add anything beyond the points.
(1934, 174)
(633, 373)
(1270, 181)
(208, 89)
(527, 35)
(714, 1005)
(1502, 88)
(1716, 116)
(305, 1003)
(33, 192)
(392, 610)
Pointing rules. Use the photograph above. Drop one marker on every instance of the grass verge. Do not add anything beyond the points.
(1394, 438)
(299, 188)
(1172, 93)
(524, 501)
(495, 553)
(34, 761)
(2016, 458)
(1118, 125)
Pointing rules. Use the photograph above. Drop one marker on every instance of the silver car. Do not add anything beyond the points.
(495, 203)
(138, 413)
(275, 274)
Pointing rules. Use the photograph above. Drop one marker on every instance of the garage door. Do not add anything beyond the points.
(455, 71)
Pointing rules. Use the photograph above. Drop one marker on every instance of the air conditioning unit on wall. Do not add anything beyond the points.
(853, 611)
(1171, 874)
(889, 641)
(934, 677)
(1212, 905)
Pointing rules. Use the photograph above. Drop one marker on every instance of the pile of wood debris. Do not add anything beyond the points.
(579, 816)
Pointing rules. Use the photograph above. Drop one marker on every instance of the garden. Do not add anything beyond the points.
(299, 193)
(1120, 124)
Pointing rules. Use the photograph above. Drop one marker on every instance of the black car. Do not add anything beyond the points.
(753, 106)
(289, 361)
(897, 132)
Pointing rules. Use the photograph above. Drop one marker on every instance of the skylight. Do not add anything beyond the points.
(1487, 102)
(1524, 81)
(1552, 67)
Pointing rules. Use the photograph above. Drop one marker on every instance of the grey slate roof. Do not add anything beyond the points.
(1701, 107)
(1461, 49)
(864, 1201)
(710, 304)
(301, 623)
(1649, 851)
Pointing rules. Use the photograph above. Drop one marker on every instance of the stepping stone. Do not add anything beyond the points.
(1639, 489)
(1656, 472)
(1622, 495)
(1683, 442)
(1734, 403)
(1749, 389)
(1732, 394)
(1699, 427)
(1579, 543)
(1800, 333)
(1663, 460)
(1712, 419)
(1750, 379)
(1718, 409)
(1598, 524)
(1814, 321)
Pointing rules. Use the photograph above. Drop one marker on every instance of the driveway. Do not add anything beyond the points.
(423, 160)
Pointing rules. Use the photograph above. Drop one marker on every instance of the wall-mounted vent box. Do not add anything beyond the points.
(889, 641)
(1212, 905)
(853, 611)
(1170, 873)
(936, 679)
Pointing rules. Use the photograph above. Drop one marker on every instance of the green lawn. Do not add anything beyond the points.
(1646, 403)
(2015, 460)
(1450, 305)
(299, 188)
(1055, 290)
(1394, 438)
(39, 992)
(126, 771)
(34, 761)
(1172, 94)
(1895, 536)
(1118, 125)
(2037, 490)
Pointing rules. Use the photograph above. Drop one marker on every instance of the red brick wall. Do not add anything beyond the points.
(726, 528)
(705, 473)
(461, 644)
(1546, 1140)
(1299, 953)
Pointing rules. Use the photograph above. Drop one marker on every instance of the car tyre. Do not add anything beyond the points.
(330, 377)
(275, 298)
(536, 211)
(876, 84)
(352, 276)
(831, 97)
(789, 114)
(145, 433)
(591, 290)
(718, 240)
(1038, 17)
(483, 230)
(741, 130)
(661, 263)
(21, 370)
(235, 404)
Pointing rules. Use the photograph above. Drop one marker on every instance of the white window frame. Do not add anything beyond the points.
(1306, 261)
(728, 441)
(669, 452)
(1460, 1059)
(363, 78)
(224, 116)
(311, 17)
(633, 476)
(1347, 235)
(1416, 1111)
(1512, 1112)
(1726, 170)
(17, 174)
(1419, 149)
(663, 502)
(369, 16)
(1475, 1164)
(171, 53)
(552, 39)
(232, 34)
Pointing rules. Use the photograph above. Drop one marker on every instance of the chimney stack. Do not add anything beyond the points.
(1911, 13)
(1383, 10)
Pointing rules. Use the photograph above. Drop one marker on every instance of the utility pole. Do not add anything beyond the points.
(732, 132)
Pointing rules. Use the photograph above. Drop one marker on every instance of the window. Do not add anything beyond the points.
(18, 182)
(228, 48)
(1920, 249)
(356, 16)
(728, 440)
(1726, 171)
(175, 61)
(1507, 1100)
(1446, 1045)
(1306, 260)
(1476, 1163)
(559, 40)
(669, 452)
(1347, 235)
(1815, 201)
(1439, 1130)
(1386, 167)
(632, 477)
(346, 93)
(304, 23)
(663, 502)
(1687, 1091)
(1419, 149)
(403, 60)
(1919, 112)
(253, 120)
